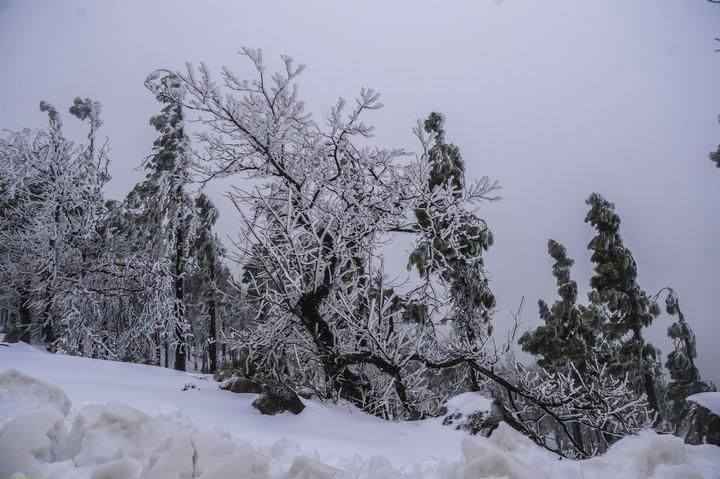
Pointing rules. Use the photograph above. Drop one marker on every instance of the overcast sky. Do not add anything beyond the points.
(555, 99)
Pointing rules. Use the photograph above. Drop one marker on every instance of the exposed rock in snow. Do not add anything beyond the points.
(472, 412)
(708, 400)
(277, 400)
(305, 393)
(700, 423)
(237, 384)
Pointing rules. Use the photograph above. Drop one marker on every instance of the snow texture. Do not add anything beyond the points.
(96, 439)
(708, 400)
(468, 403)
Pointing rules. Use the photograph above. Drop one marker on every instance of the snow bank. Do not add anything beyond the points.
(115, 441)
(46, 437)
(21, 392)
(708, 400)
(653, 456)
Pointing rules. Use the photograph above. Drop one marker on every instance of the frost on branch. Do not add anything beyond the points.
(321, 206)
(577, 414)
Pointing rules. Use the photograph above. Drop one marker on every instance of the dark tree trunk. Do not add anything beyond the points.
(212, 333)
(48, 333)
(158, 350)
(345, 382)
(212, 326)
(650, 391)
(25, 316)
(179, 298)
(223, 346)
(647, 377)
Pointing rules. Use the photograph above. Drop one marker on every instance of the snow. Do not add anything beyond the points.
(468, 403)
(64, 417)
(708, 400)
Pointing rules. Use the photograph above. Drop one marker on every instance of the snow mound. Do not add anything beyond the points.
(20, 392)
(654, 456)
(114, 441)
(28, 438)
(506, 454)
(708, 400)
(48, 438)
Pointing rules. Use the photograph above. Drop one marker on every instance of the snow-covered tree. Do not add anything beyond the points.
(452, 239)
(51, 202)
(684, 374)
(576, 412)
(206, 251)
(162, 209)
(320, 206)
(625, 307)
(568, 335)
(588, 407)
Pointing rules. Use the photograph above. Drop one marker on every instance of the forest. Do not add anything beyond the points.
(302, 296)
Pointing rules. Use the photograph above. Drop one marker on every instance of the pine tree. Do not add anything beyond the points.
(625, 307)
(684, 374)
(566, 337)
(162, 208)
(206, 251)
(453, 240)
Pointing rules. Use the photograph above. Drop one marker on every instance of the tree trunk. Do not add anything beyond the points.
(346, 383)
(25, 316)
(179, 298)
(577, 432)
(648, 379)
(212, 333)
(650, 391)
(158, 350)
(48, 334)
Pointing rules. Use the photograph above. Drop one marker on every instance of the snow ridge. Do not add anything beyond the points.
(43, 435)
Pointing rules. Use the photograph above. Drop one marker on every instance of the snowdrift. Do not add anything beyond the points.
(52, 431)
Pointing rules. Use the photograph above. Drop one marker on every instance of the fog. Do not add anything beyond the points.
(555, 100)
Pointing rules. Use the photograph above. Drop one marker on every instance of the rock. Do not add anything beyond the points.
(222, 375)
(277, 400)
(678, 398)
(241, 385)
(473, 413)
(699, 425)
(305, 393)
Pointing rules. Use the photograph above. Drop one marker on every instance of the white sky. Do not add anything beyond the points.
(554, 99)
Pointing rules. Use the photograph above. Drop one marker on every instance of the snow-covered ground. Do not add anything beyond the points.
(72, 418)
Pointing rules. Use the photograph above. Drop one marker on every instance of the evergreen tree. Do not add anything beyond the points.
(206, 251)
(625, 307)
(684, 374)
(161, 207)
(566, 337)
(453, 240)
